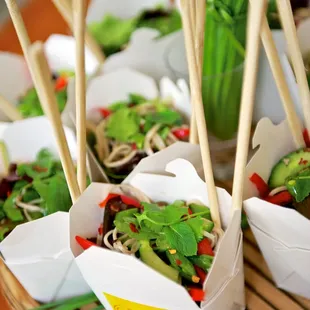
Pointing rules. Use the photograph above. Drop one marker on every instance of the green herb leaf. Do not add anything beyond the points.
(195, 208)
(202, 261)
(2, 214)
(196, 224)
(181, 237)
(164, 132)
(162, 243)
(3, 232)
(136, 99)
(299, 186)
(122, 125)
(168, 117)
(118, 106)
(10, 209)
(138, 139)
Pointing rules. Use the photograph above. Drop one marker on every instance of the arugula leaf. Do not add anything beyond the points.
(181, 237)
(196, 224)
(10, 209)
(122, 125)
(168, 117)
(202, 261)
(299, 187)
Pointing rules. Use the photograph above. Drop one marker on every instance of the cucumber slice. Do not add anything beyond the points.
(289, 165)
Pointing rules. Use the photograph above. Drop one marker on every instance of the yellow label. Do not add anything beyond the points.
(123, 304)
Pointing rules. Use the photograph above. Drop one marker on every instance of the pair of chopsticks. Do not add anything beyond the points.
(258, 25)
(38, 66)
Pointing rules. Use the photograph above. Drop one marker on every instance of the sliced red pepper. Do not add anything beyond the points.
(84, 243)
(261, 185)
(133, 228)
(201, 274)
(61, 83)
(134, 146)
(306, 137)
(197, 294)
(190, 212)
(280, 199)
(181, 133)
(100, 230)
(125, 199)
(103, 203)
(104, 112)
(204, 247)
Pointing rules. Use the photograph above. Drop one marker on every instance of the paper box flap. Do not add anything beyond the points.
(38, 240)
(24, 139)
(60, 54)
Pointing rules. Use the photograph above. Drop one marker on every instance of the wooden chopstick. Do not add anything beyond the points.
(79, 11)
(199, 112)
(45, 89)
(256, 14)
(65, 9)
(9, 110)
(287, 101)
(288, 24)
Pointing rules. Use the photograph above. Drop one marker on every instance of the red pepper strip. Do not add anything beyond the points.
(61, 83)
(190, 212)
(280, 199)
(104, 112)
(133, 228)
(84, 243)
(260, 184)
(103, 203)
(204, 247)
(201, 274)
(306, 137)
(181, 133)
(197, 294)
(125, 199)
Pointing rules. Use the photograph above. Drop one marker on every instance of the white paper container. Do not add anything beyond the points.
(119, 275)
(15, 80)
(268, 102)
(282, 234)
(36, 253)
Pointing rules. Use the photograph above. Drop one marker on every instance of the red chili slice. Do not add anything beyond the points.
(306, 137)
(105, 201)
(133, 228)
(280, 199)
(104, 112)
(204, 247)
(190, 212)
(197, 294)
(84, 243)
(201, 274)
(261, 185)
(181, 133)
(178, 262)
(125, 199)
(61, 83)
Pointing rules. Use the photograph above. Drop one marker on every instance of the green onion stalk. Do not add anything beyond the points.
(224, 52)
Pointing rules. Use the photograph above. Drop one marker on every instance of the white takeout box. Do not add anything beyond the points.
(268, 102)
(38, 253)
(124, 281)
(16, 80)
(106, 89)
(282, 234)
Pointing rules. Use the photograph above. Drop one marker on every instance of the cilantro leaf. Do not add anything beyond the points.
(168, 117)
(122, 125)
(181, 237)
(196, 224)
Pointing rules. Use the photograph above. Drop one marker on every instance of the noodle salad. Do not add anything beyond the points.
(133, 129)
(178, 240)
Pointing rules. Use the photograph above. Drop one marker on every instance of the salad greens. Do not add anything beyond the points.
(113, 33)
(32, 190)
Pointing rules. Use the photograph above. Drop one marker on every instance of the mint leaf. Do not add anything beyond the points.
(181, 237)
(196, 224)
(122, 125)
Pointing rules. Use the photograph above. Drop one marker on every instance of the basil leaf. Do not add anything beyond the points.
(197, 225)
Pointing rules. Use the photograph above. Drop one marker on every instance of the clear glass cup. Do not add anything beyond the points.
(221, 97)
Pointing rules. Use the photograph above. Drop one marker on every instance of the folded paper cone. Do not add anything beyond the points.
(36, 253)
(281, 233)
(123, 280)
(267, 89)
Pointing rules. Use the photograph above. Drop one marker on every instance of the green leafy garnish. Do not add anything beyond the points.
(197, 226)
(202, 261)
(11, 211)
(168, 117)
(181, 237)
(299, 187)
(3, 232)
(138, 139)
(122, 125)
(136, 99)
(2, 213)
